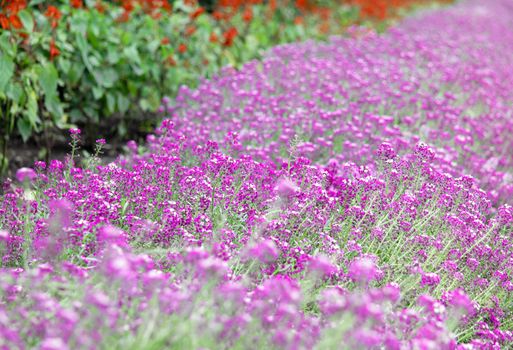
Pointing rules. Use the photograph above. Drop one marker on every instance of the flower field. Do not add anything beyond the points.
(104, 66)
(347, 194)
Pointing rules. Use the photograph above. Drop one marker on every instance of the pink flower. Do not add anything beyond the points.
(364, 270)
(25, 174)
(322, 265)
(113, 235)
(265, 251)
(430, 279)
(286, 188)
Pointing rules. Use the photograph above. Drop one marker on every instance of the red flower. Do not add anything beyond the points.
(77, 4)
(14, 6)
(53, 14)
(182, 48)
(190, 30)
(213, 38)
(15, 22)
(4, 21)
(54, 51)
(198, 12)
(218, 15)
(127, 5)
(170, 61)
(124, 17)
(229, 36)
(247, 16)
(99, 7)
(164, 41)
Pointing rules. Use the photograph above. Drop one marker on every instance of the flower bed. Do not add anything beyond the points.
(321, 198)
(105, 66)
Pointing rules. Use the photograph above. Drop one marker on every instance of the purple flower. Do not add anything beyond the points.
(25, 174)
(53, 344)
(286, 188)
(459, 300)
(322, 266)
(430, 279)
(363, 270)
(4, 236)
(265, 251)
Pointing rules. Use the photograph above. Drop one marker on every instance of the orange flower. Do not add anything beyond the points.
(170, 60)
(272, 5)
(299, 20)
(53, 14)
(4, 21)
(124, 17)
(166, 6)
(13, 7)
(247, 16)
(198, 12)
(190, 30)
(128, 5)
(213, 38)
(218, 15)
(229, 36)
(304, 5)
(324, 27)
(77, 4)
(15, 22)
(99, 7)
(182, 48)
(54, 51)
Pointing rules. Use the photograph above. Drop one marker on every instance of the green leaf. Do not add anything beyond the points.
(15, 92)
(112, 56)
(62, 122)
(31, 109)
(26, 20)
(92, 114)
(123, 103)
(75, 73)
(6, 71)
(97, 92)
(153, 46)
(53, 105)
(64, 65)
(48, 79)
(84, 50)
(107, 77)
(24, 128)
(132, 54)
(144, 104)
(6, 47)
(77, 115)
(111, 103)
(36, 2)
